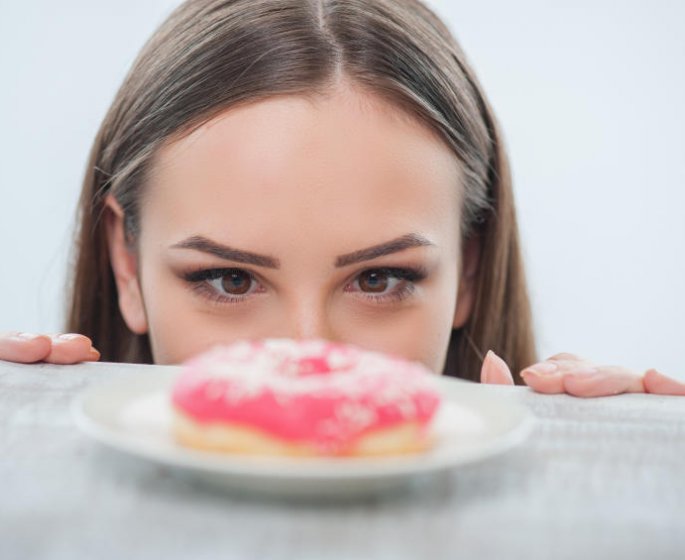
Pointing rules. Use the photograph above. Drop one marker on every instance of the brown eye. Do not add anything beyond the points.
(236, 282)
(373, 281)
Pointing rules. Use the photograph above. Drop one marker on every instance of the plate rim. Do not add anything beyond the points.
(297, 469)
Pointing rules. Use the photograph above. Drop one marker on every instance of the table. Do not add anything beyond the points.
(598, 478)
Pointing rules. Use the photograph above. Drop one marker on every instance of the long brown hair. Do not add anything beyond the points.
(210, 55)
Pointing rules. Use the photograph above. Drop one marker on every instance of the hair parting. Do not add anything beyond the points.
(210, 55)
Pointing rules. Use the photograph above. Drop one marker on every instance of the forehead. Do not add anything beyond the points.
(337, 163)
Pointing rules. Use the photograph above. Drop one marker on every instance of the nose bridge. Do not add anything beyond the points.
(308, 317)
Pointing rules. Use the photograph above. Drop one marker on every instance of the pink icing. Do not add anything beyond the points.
(322, 393)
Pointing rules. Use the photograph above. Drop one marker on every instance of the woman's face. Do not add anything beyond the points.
(332, 217)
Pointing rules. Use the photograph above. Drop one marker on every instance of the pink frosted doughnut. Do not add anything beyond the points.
(288, 397)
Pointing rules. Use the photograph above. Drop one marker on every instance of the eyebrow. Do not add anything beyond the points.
(402, 243)
(204, 245)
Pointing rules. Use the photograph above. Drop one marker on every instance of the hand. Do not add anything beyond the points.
(567, 373)
(56, 349)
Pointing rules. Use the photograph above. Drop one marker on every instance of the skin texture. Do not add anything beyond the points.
(304, 181)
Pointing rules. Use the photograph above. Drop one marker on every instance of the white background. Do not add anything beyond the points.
(590, 96)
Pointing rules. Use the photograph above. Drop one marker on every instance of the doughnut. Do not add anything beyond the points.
(303, 398)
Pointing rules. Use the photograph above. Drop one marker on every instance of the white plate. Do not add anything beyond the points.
(133, 415)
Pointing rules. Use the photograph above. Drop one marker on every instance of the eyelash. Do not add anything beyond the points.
(408, 277)
(198, 280)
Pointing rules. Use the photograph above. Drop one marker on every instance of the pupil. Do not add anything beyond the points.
(236, 283)
(373, 282)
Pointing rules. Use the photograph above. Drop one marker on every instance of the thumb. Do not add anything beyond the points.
(495, 371)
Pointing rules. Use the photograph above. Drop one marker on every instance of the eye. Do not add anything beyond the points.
(375, 281)
(233, 282)
(223, 285)
(386, 284)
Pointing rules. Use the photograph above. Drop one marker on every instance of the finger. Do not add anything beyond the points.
(548, 376)
(602, 382)
(544, 377)
(71, 349)
(660, 384)
(24, 348)
(495, 371)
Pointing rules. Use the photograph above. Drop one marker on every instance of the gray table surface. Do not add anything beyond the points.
(598, 478)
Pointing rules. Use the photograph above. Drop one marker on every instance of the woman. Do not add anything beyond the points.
(306, 169)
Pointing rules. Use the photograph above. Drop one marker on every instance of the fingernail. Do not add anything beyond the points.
(495, 370)
(68, 336)
(543, 368)
(584, 372)
(25, 336)
(485, 372)
(94, 354)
